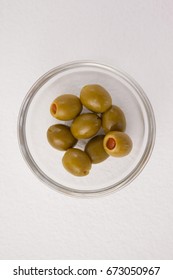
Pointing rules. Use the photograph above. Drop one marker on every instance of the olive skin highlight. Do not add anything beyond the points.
(95, 150)
(60, 137)
(95, 98)
(113, 119)
(66, 107)
(85, 125)
(76, 162)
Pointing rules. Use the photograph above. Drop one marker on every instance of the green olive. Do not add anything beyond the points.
(94, 148)
(113, 119)
(95, 98)
(77, 162)
(66, 107)
(60, 137)
(85, 125)
(117, 144)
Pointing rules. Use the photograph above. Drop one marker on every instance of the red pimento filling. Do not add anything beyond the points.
(53, 108)
(111, 143)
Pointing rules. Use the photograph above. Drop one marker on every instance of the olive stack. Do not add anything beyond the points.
(113, 142)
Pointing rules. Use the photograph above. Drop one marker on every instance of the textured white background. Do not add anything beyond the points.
(38, 223)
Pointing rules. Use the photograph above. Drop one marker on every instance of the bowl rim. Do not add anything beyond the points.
(30, 160)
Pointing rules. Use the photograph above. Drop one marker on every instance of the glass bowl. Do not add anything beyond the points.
(34, 120)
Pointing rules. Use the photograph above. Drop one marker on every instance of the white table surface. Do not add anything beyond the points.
(39, 223)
